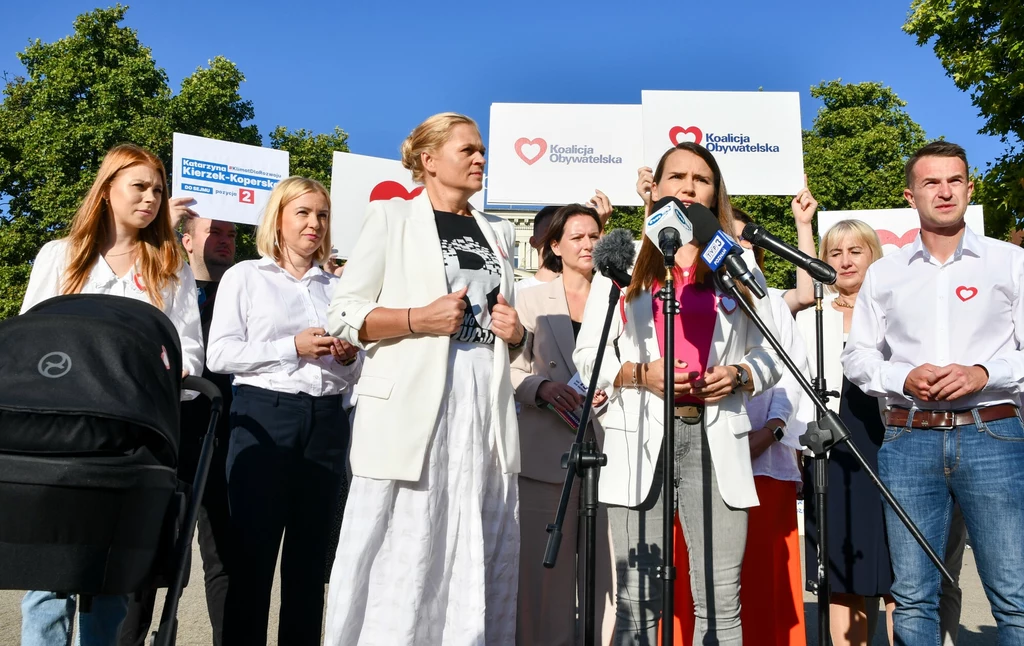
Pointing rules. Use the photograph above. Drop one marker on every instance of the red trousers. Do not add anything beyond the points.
(771, 594)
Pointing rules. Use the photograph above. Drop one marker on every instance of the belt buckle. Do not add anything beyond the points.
(950, 424)
(687, 411)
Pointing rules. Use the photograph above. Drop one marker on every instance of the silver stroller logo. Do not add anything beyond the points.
(54, 365)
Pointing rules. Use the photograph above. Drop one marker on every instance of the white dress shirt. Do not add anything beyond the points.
(785, 401)
(259, 309)
(914, 310)
(180, 299)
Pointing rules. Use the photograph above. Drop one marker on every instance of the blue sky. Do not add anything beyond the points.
(377, 68)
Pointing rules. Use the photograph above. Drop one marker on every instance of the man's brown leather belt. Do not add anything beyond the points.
(942, 419)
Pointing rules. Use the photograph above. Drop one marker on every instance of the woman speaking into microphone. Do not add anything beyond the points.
(429, 547)
(720, 360)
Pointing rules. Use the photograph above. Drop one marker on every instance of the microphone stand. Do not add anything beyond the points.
(823, 589)
(667, 571)
(584, 460)
(821, 436)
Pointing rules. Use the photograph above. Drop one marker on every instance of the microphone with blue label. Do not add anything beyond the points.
(720, 249)
(668, 227)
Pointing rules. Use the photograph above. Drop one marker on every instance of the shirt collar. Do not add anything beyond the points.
(969, 242)
(269, 264)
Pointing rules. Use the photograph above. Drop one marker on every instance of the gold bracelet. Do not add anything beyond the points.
(636, 386)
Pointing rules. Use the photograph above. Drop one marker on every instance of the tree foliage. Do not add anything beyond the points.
(980, 43)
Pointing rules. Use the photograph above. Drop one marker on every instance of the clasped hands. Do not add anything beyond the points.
(713, 386)
(928, 382)
(314, 342)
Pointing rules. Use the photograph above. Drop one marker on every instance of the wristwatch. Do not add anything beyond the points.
(742, 377)
(779, 432)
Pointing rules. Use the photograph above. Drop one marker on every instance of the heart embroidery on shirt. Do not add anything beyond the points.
(138, 282)
(966, 293)
(727, 304)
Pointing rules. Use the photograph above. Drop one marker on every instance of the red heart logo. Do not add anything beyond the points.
(536, 146)
(728, 304)
(966, 293)
(673, 134)
(388, 190)
(888, 237)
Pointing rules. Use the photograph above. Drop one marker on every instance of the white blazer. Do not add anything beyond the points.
(633, 421)
(397, 263)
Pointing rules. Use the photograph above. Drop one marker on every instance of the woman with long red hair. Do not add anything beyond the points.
(121, 243)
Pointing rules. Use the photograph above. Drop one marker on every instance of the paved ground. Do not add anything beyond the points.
(977, 624)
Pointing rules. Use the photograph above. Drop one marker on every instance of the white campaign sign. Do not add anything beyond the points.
(756, 137)
(357, 180)
(895, 227)
(228, 181)
(561, 153)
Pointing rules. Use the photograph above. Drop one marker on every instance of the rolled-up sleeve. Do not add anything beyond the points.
(359, 288)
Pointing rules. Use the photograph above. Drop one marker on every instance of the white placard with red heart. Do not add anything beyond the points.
(756, 137)
(357, 180)
(896, 228)
(560, 153)
(228, 181)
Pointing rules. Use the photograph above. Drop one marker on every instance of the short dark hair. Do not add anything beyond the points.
(934, 149)
(556, 229)
(742, 216)
(544, 214)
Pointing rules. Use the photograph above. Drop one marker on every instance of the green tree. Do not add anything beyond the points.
(78, 97)
(980, 43)
(310, 155)
(853, 157)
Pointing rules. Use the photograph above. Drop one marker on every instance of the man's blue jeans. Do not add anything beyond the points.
(981, 466)
(46, 620)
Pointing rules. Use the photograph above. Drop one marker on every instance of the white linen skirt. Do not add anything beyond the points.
(434, 562)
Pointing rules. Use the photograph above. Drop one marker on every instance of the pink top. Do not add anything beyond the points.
(694, 327)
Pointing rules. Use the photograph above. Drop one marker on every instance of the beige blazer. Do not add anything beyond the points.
(633, 427)
(397, 263)
(547, 356)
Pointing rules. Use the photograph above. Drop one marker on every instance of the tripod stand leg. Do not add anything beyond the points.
(824, 591)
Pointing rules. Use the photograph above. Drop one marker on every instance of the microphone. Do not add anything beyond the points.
(613, 256)
(720, 249)
(668, 228)
(759, 236)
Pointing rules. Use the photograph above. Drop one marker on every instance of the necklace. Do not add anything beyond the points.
(842, 303)
(123, 253)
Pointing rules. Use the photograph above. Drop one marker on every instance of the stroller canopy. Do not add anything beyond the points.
(90, 359)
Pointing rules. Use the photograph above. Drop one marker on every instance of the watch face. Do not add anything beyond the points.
(779, 433)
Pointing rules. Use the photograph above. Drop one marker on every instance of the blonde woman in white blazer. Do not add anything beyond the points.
(429, 547)
(726, 361)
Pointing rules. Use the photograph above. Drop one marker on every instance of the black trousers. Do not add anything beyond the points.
(214, 527)
(285, 463)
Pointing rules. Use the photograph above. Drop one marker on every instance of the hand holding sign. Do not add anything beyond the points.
(804, 205)
(645, 185)
(180, 211)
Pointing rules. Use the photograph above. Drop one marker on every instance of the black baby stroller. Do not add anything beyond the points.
(90, 502)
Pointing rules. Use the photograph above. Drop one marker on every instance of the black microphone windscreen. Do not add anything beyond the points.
(753, 232)
(615, 250)
(705, 223)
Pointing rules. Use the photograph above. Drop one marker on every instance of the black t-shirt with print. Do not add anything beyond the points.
(470, 262)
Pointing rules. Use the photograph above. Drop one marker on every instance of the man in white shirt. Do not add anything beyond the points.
(938, 331)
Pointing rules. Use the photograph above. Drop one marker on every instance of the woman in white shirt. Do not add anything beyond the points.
(120, 243)
(289, 430)
(428, 552)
